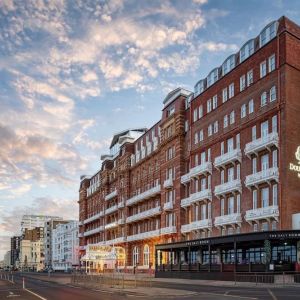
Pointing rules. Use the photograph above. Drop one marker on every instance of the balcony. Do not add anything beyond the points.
(111, 195)
(145, 195)
(168, 230)
(265, 142)
(229, 157)
(111, 225)
(144, 215)
(93, 218)
(196, 225)
(168, 205)
(80, 223)
(111, 209)
(144, 235)
(80, 234)
(201, 169)
(93, 231)
(121, 204)
(185, 178)
(263, 176)
(118, 240)
(168, 183)
(81, 248)
(228, 219)
(266, 213)
(228, 187)
(196, 197)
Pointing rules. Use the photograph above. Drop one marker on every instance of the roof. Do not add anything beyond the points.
(124, 132)
(175, 94)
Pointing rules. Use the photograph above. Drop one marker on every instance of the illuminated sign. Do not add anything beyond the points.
(293, 167)
(96, 252)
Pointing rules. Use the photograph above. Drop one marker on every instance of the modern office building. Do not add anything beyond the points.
(33, 221)
(65, 246)
(215, 184)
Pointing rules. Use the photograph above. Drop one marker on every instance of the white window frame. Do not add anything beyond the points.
(263, 69)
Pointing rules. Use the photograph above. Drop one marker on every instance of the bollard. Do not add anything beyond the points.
(23, 283)
(12, 278)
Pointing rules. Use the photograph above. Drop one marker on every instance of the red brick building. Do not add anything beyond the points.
(223, 162)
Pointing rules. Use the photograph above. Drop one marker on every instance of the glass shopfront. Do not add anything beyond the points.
(253, 252)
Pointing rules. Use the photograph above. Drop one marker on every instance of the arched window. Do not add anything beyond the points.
(228, 64)
(247, 50)
(268, 33)
(146, 255)
(212, 77)
(199, 87)
(135, 256)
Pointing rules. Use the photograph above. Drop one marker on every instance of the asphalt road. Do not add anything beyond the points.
(54, 291)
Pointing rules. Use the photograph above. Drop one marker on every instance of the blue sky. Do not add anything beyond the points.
(72, 73)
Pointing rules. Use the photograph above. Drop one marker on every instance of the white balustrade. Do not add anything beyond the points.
(262, 213)
(262, 176)
(228, 187)
(147, 194)
(271, 139)
(196, 225)
(231, 156)
(235, 218)
(145, 214)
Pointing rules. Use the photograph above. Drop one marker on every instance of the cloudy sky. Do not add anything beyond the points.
(74, 72)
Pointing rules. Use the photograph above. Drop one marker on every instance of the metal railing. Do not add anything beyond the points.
(114, 279)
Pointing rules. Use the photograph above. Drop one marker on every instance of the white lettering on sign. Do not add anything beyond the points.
(293, 167)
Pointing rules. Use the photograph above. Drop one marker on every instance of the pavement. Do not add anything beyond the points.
(58, 287)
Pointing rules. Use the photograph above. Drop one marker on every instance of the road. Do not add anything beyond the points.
(38, 289)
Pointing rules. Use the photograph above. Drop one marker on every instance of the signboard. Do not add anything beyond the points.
(100, 253)
(293, 167)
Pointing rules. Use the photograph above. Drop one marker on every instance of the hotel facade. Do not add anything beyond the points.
(215, 184)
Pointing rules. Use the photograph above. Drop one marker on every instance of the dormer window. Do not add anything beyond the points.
(171, 111)
(212, 77)
(247, 50)
(199, 88)
(228, 64)
(268, 33)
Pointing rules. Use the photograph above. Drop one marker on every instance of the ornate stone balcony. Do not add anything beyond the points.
(118, 240)
(228, 187)
(263, 176)
(80, 234)
(228, 219)
(196, 225)
(145, 195)
(201, 169)
(93, 218)
(257, 145)
(143, 235)
(144, 215)
(229, 157)
(168, 205)
(168, 230)
(168, 183)
(185, 178)
(111, 195)
(111, 209)
(266, 213)
(80, 223)
(111, 225)
(121, 204)
(196, 197)
(82, 248)
(93, 231)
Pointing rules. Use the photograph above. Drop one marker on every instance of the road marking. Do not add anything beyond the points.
(11, 294)
(37, 295)
(232, 296)
(272, 295)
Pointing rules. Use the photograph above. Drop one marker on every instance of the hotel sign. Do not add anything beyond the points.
(293, 167)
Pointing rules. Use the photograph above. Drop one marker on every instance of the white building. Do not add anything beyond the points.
(6, 260)
(49, 226)
(65, 246)
(33, 221)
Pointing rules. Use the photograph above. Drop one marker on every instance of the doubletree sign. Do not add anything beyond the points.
(293, 167)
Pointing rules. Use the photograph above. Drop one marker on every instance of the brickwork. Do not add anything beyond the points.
(217, 162)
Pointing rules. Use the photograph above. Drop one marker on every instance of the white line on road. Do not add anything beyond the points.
(272, 295)
(37, 295)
